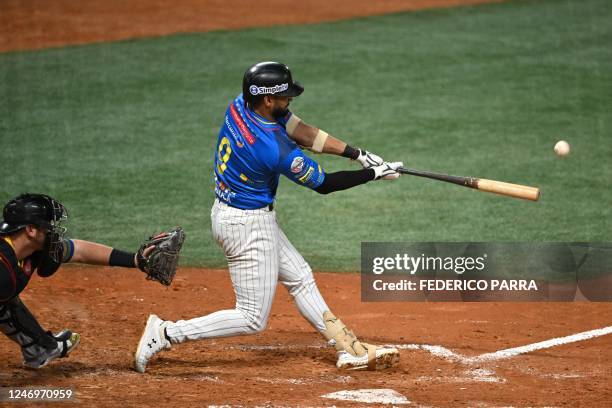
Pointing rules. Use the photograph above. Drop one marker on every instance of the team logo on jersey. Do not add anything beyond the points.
(260, 90)
(297, 164)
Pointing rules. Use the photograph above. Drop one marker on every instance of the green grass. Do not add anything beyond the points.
(124, 133)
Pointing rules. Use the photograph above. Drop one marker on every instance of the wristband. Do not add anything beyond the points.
(350, 152)
(121, 258)
(67, 250)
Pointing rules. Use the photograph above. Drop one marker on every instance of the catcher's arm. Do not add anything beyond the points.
(92, 253)
(87, 252)
(157, 256)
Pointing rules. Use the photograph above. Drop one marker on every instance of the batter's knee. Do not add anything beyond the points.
(258, 327)
(256, 323)
(303, 284)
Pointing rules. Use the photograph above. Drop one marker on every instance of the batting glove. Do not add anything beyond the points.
(368, 160)
(387, 171)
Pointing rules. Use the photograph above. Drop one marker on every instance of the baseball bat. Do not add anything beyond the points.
(491, 186)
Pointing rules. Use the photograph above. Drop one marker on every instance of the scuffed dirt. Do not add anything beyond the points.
(289, 364)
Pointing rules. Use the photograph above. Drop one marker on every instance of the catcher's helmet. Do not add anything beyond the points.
(269, 78)
(31, 209)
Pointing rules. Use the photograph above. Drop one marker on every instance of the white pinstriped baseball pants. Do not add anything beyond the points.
(258, 255)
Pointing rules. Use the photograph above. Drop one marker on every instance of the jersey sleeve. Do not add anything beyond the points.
(284, 119)
(301, 169)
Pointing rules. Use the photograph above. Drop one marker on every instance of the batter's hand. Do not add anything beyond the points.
(387, 171)
(368, 160)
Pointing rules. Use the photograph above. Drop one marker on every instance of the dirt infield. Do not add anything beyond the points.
(289, 365)
(35, 24)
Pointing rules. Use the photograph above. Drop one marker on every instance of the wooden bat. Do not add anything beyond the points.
(491, 186)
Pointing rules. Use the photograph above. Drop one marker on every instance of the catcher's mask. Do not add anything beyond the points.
(41, 211)
(268, 78)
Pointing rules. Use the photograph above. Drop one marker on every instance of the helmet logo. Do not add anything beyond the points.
(260, 90)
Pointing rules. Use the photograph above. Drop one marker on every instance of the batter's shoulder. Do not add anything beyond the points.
(266, 151)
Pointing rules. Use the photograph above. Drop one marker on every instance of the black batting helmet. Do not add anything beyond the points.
(31, 209)
(269, 78)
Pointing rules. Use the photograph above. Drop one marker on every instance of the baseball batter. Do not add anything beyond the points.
(260, 140)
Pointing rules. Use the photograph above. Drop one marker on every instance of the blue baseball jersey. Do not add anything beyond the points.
(252, 153)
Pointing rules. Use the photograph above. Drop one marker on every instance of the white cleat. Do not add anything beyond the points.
(151, 342)
(377, 358)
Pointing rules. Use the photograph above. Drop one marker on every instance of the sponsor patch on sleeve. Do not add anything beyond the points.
(297, 164)
(307, 176)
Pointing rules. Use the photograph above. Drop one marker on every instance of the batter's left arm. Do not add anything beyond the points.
(305, 135)
(320, 141)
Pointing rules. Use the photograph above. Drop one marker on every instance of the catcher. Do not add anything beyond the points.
(32, 239)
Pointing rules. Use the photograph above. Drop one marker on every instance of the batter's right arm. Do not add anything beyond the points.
(342, 180)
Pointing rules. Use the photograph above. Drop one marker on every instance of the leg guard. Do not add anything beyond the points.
(338, 335)
(38, 346)
(353, 354)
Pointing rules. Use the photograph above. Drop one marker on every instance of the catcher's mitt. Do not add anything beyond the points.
(158, 256)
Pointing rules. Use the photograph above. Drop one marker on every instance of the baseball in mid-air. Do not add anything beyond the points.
(562, 148)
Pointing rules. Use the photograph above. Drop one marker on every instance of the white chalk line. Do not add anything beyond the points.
(438, 351)
(557, 341)
(441, 351)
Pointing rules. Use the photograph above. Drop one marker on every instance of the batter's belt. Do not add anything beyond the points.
(269, 207)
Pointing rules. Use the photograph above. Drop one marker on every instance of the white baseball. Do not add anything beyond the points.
(562, 148)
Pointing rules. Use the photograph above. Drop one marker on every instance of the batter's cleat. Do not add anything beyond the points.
(377, 358)
(152, 341)
(66, 342)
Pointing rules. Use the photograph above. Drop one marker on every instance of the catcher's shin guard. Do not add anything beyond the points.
(66, 342)
(38, 346)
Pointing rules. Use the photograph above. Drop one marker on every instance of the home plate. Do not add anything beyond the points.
(373, 396)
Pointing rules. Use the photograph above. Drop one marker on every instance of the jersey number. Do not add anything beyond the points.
(223, 156)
